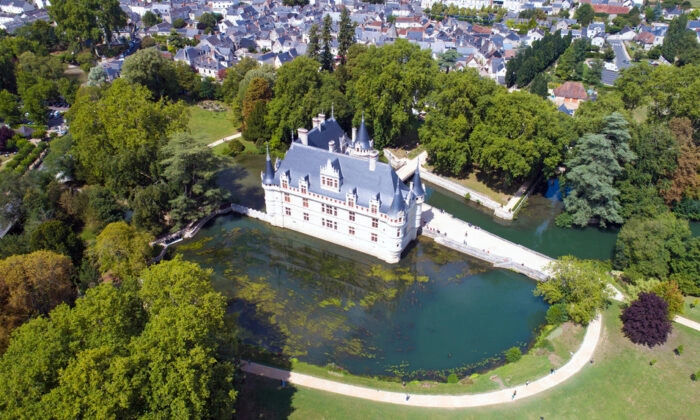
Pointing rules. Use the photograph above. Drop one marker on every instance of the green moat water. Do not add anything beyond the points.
(434, 312)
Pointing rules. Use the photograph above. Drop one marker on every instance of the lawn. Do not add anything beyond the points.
(249, 147)
(208, 126)
(693, 313)
(620, 384)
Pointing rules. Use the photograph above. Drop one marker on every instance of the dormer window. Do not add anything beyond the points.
(331, 177)
(350, 198)
(284, 180)
(285, 184)
(303, 185)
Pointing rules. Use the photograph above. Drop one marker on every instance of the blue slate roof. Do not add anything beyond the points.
(306, 161)
(362, 135)
(328, 130)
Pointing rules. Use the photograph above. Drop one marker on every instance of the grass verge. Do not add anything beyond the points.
(208, 126)
(692, 313)
(621, 384)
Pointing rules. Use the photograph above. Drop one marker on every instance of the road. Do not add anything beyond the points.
(622, 59)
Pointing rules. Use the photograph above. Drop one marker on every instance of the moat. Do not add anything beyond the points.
(435, 312)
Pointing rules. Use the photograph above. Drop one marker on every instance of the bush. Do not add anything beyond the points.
(694, 376)
(513, 354)
(564, 220)
(646, 321)
(452, 378)
(467, 196)
(85, 60)
(235, 147)
(39, 133)
(678, 350)
(556, 314)
(652, 362)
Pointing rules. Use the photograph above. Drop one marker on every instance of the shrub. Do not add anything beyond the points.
(564, 220)
(678, 350)
(556, 314)
(652, 362)
(452, 378)
(467, 196)
(646, 321)
(235, 148)
(694, 376)
(39, 133)
(513, 354)
(671, 294)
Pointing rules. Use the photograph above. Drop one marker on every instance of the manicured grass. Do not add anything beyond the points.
(537, 363)
(472, 181)
(693, 313)
(249, 147)
(620, 384)
(209, 126)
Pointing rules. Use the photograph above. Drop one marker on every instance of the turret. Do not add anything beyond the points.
(268, 177)
(362, 139)
(417, 187)
(398, 205)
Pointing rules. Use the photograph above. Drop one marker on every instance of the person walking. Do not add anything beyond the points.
(514, 393)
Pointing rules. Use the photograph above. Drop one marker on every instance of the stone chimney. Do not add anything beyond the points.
(373, 158)
(331, 146)
(303, 136)
(354, 134)
(315, 121)
(321, 118)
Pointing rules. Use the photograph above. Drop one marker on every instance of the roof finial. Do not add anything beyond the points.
(363, 116)
(267, 150)
(291, 132)
(332, 110)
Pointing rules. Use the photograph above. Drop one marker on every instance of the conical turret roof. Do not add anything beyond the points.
(269, 175)
(417, 189)
(398, 205)
(362, 135)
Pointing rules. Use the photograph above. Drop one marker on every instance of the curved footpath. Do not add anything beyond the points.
(578, 361)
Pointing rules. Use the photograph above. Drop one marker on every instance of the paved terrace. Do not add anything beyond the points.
(472, 240)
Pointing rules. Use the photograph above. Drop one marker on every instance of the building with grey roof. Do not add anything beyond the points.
(333, 187)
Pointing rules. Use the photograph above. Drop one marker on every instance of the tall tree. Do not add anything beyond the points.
(578, 284)
(646, 321)
(32, 285)
(121, 250)
(592, 171)
(680, 43)
(584, 14)
(346, 34)
(87, 21)
(190, 169)
(327, 62)
(117, 135)
(539, 86)
(9, 107)
(149, 19)
(685, 180)
(150, 69)
(388, 83)
(56, 236)
(234, 75)
(313, 49)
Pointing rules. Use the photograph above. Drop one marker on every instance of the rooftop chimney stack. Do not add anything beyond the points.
(315, 122)
(321, 118)
(303, 136)
(331, 146)
(354, 134)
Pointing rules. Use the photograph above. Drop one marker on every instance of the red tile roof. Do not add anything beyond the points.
(573, 90)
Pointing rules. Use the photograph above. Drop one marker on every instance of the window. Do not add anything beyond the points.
(305, 202)
(375, 223)
(351, 216)
(374, 237)
(329, 209)
(306, 217)
(398, 232)
(351, 230)
(284, 183)
(287, 211)
(351, 202)
(373, 208)
(286, 198)
(303, 189)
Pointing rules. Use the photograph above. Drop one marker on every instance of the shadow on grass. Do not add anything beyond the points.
(263, 398)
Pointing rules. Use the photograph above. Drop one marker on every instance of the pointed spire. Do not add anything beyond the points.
(417, 189)
(398, 205)
(362, 135)
(269, 174)
(332, 110)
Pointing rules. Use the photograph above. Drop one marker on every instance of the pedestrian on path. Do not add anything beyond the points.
(514, 393)
(527, 383)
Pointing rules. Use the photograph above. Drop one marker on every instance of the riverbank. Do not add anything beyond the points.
(660, 391)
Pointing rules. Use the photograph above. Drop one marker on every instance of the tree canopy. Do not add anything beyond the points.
(87, 21)
(646, 321)
(121, 250)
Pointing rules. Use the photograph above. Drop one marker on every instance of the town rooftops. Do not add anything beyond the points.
(573, 90)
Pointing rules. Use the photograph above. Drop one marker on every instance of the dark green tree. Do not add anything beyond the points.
(190, 169)
(56, 236)
(149, 19)
(326, 57)
(9, 107)
(87, 21)
(539, 86)
(179, 23)
(313, 49)
(346, 34)
(680, 43)
(584, 14)
(150, 69)
(208, 23)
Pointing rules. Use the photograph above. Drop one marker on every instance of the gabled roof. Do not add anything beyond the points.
(321, 135)
(573, 90)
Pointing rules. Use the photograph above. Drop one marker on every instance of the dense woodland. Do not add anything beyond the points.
(129, 171)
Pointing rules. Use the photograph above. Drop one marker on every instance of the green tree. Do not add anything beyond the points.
(346, 34)
(35, 98)
(579, 284)
(207, 22)
(121, 250)
(447, 60)
(646, 247)
(570, 65)
(87, 21)
(539, 86)
(149, 19)
(326, 56)
(592, 171)
(149, 205)
(32, 285)
(387, 84)
(680, 43)
(313, 49)
(584, 14)
(117, 135)
(234, 75)
(9, 107)
(593, 72)
(41, 32)
(179, 23)
(56, 236)
(190, 169)
(97, 76)
(266, 72)
(150, 69)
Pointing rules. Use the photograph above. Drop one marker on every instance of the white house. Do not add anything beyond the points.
(334, 188)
